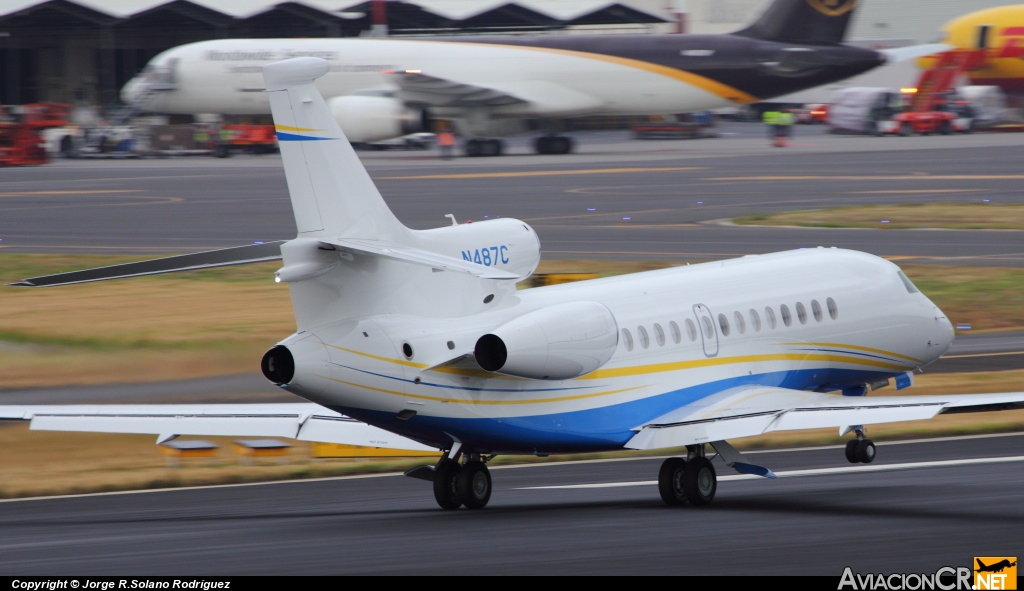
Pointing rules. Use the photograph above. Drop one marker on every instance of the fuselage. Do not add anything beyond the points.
(1000, 31)
(818, 319)
(548, 75)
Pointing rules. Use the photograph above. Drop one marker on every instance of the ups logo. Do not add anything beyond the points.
(833, 7)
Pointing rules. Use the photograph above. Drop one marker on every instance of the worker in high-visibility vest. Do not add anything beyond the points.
(783, 127)
(770, 119)
(446, 143)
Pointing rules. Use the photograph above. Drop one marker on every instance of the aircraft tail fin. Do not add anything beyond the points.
(332, 194)
(803, 21)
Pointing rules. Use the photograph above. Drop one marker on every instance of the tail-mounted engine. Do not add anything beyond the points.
(556, 342)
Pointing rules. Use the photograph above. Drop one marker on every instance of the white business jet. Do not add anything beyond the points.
(495, 86)
(419, 339)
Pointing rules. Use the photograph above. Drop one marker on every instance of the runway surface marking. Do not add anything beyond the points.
(489, 175)
(967, 355)
(797, 473)
(912, 191)
(906, 177)
(79, 192)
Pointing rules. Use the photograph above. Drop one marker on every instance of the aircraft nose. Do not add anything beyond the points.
(131, 91)
(943, 332)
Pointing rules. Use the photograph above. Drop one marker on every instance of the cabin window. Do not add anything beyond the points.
(627, 339)
(709, 329)
(659, 334)
(755, 320)
(674, 329)
(723, 322)
(769, 316)
(787, 317)
(833, 310)
(641, 333)
(741, 326)
(691, 330)
(816, 310)
(801, 313)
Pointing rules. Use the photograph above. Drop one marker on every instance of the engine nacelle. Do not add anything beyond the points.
(557, 342)
(374, 118)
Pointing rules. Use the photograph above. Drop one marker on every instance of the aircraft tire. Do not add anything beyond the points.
(670, 481)
(473, 148)
(446, 489)
(851, 451)
(699, 481)
(474, 485)
(865, 451)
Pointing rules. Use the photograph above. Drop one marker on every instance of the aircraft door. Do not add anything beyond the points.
(707, 330)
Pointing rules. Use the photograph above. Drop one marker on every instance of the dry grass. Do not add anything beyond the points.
(963, 216)
(45, 463)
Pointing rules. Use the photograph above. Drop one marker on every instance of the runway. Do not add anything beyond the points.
(921, 506)
(618, 199)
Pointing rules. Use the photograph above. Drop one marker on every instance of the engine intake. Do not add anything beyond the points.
(557, 342)
(278, 365)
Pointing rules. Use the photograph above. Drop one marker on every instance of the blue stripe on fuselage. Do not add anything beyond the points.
(598, 429)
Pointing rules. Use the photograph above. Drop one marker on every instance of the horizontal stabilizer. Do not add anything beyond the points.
(301, 421)
(238, 255)
(421, 257)
(902, 54)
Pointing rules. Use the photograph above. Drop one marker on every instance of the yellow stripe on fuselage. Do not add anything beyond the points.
(713, 86)
(485, 402)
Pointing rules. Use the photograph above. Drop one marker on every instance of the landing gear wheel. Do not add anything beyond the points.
(553, 144)
(474, 485)
(865, 451)
(473, 148)
(699, 481)
(491, 147)
(851, 451)
(446, 480)
(670, 481)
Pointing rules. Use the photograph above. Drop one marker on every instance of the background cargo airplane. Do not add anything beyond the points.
(999, 31)
(421, 337)
(497, 86)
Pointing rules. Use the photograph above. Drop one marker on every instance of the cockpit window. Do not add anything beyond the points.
(911, 288)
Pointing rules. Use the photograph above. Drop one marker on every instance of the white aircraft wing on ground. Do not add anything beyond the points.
(301, 421)
(749, 411)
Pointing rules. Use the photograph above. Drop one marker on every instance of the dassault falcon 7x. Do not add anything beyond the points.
(495, 86)
(419, 339)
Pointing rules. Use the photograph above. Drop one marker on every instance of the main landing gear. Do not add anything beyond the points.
(860, 450)
(462, 485)
(484, 147)
(553, 144)
(691, 480)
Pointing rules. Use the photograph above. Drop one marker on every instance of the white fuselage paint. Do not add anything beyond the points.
(224, 77)
(881, 327)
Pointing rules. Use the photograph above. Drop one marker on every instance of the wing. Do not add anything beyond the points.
(748, 411)
(302, 421)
